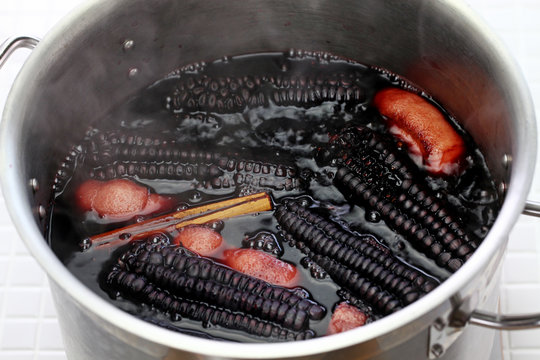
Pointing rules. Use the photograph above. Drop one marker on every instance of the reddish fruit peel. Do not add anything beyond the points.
(86, 193)
(432, 141)
(118, 199)
(345, 317)
(200, 239)
(262, 266)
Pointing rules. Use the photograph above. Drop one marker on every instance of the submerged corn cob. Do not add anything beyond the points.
(176, 281)
(374, 174)
(358, 263)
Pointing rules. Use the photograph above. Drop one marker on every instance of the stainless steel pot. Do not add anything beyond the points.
(108, 50)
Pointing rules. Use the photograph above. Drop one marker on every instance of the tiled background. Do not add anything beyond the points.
(28, 325)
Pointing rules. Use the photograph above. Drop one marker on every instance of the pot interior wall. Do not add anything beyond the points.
(87, 71)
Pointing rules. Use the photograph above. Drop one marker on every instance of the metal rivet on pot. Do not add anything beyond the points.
(439, 324)
(128, 44)
(34, 184)
(437, 350)
(133, 72)
(502, 188)
(42, 212)
(506, 160)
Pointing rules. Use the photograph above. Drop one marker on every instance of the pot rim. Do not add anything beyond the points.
(22, 215)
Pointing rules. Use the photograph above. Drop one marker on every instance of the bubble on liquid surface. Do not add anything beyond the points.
(195, 197)
(373, 216)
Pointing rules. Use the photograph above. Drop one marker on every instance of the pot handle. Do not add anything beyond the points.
(532, 208)
(9, 46)
(442, 334)
(509, 322)
(505, 322)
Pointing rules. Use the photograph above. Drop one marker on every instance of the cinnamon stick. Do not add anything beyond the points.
(198, 215)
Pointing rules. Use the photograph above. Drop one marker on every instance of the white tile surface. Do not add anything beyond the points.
(49, 336)
(28, 326)
(22, 302)
(7, 235)
(18, 334)
(522, 297)
(521, 268)
(48, 306)
(52, 355)
(16, 355)
(524, 238)
(525, 339)
(25, 272)
(526, 355)
(4, 269)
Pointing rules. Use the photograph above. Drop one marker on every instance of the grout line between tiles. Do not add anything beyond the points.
(39, 328)
(3, 310)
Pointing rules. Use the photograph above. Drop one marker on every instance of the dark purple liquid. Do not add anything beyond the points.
(288, 134)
